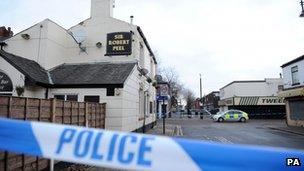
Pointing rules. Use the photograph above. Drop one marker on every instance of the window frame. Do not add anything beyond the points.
(295, 75)
(84, 98)
(110, 92)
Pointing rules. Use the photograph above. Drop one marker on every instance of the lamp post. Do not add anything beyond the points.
(302, 6)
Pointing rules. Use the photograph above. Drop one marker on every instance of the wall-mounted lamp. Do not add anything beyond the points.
(25, 36)
(99, 44)
(117, 92)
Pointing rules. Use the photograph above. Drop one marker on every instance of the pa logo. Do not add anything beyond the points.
(293, 162)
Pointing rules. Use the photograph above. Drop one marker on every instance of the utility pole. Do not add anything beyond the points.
(201, 88)
(201, 96)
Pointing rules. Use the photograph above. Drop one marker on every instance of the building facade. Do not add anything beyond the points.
(5, 33)
(258, 98)
(211, 101)
(101, 59)
(293, 75)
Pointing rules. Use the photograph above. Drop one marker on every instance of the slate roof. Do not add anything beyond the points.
(29, 68)
(97, 75)
(293, 61)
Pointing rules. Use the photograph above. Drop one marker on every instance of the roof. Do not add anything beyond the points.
(248, 81)
(147, 43)
(293, 61)
(97, 75)
(29, 68)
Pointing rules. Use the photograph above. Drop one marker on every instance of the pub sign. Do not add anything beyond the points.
(119, 43)
(6, 84)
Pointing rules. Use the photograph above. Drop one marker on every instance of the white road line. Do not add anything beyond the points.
(223, 140)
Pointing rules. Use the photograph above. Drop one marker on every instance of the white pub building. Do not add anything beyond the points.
(101, 59)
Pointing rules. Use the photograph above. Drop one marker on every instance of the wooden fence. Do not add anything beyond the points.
(46, 110)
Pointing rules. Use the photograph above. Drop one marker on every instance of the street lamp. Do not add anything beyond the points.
(302, 5)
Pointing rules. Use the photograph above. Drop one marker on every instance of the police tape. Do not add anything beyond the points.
(132, 151)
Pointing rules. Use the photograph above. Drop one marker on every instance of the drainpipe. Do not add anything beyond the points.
(145, 109)
(46, 95)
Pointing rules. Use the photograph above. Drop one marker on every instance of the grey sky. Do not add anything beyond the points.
(225, 40)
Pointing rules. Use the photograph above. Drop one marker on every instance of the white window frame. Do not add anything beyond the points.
(295, 75)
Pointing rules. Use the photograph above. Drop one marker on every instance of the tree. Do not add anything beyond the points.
(189, 98)
(170, 75)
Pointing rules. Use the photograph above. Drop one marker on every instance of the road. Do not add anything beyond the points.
(254, 132)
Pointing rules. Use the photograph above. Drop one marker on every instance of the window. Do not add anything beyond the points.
(59, 97)
(294, 75)
(151, 107)
(73, 98)
(110, 91)
(142, 55)
(94, 99)
(280, 87)
(64, 97)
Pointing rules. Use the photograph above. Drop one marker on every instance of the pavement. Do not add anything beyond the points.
(274, 133)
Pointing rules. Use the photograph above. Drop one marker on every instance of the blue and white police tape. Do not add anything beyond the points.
(136, 151)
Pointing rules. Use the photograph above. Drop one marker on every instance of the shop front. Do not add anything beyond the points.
(256, 107)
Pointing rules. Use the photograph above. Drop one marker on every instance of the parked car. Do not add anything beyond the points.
(231, 115)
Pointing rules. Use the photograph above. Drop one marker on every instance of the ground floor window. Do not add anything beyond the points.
(6, 94)
(73, 98)
(93, 99)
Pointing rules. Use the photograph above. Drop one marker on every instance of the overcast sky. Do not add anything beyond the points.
(225, 40)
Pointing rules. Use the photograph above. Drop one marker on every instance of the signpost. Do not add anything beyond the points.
(119, 43)
(163, 95)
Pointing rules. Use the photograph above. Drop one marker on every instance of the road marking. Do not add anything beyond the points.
(205, 137)
(223, 140)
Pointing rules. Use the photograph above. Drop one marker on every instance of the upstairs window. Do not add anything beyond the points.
(142, 55)
(295, 75)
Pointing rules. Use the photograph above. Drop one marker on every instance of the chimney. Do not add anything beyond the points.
(131, 19)
(102, 9)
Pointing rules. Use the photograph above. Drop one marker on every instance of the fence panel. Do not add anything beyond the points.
(46, 110)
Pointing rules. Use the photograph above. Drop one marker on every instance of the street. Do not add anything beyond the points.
(254, 132)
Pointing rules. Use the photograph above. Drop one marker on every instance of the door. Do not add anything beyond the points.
(227, 116)
(233, 116)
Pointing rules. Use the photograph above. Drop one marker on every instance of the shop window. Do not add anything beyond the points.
(295, 75)
(73, 98)
(94, 99)
(110, 91)
(151, 107)
(59, 97)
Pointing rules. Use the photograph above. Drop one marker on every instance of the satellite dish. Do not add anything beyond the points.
(79, 35)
